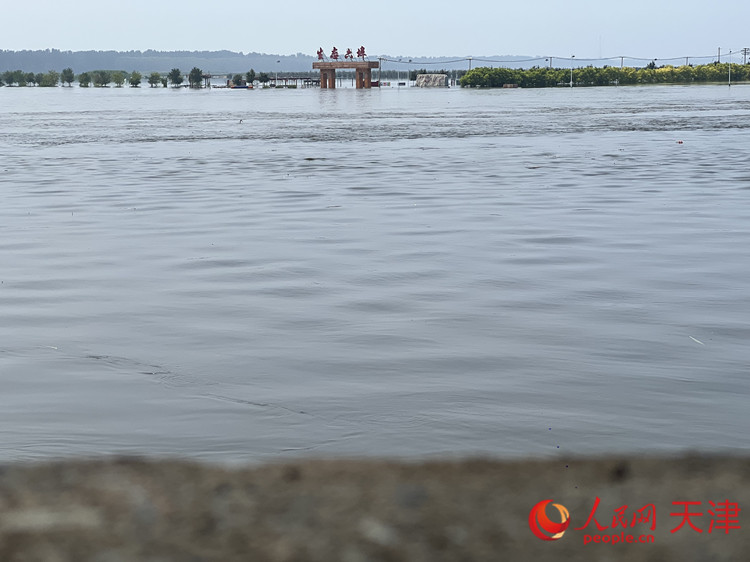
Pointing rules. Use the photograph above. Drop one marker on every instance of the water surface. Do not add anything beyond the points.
(400, 272)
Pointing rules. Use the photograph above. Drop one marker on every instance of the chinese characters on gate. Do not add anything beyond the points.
(348, 56)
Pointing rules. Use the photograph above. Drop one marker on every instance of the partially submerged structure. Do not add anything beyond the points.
(432, 81)
(362, 71)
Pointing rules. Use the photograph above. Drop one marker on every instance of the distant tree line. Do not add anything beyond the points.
(544, 77)
(103, 78)
(21, 78)
(100, 78)
(53, 78)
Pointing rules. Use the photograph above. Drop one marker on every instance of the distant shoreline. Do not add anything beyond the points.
(226, 62)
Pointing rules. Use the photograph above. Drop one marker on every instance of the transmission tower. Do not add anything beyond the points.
(745, 52)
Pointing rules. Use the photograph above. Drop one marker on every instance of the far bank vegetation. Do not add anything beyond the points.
(545, 77)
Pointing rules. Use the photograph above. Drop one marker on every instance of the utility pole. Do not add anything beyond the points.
(469, 63)
(719, 57)
(571, 69)
(745, 52)
(622, 62)
(730, 68)
(686, 61)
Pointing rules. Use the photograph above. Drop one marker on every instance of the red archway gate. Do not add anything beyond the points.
(362, 70)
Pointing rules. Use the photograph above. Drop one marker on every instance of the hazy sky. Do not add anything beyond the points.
(638, 28)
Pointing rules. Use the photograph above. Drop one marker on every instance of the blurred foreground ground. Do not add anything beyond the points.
(358, 511)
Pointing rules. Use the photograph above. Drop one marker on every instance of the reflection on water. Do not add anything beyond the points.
(405, 272)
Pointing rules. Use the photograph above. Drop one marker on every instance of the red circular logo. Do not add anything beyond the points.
(543, 527)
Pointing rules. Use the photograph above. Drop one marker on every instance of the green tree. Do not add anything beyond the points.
(195, 77)
(9, 76)
(237, 79)
(135, 79)
(628, 75)
(611, 75)
(741, 71)
(250, 76)
(716, 72)
(666, 75)
(67, 76)
(175, 76)
(590, 76)
(701, 73)
(102, 78)
(154, 79)
(684, 73)
(84, 79)
(263, 77)
(118, 77)
(29, 78)
(50, 79)
(164, 81)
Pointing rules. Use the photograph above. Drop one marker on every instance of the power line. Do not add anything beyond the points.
(622, 58)
(407, 61)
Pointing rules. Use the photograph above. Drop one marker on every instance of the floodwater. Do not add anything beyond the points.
(258, 275)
